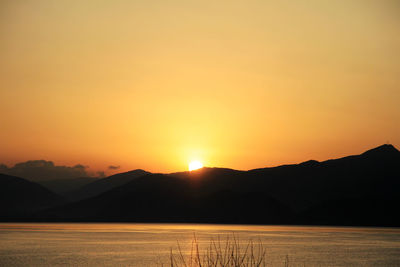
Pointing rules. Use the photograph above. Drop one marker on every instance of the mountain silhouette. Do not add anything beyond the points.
(386, 150)
(354, 190)
(167, 198)
(99, 186)
(19, 198)
(66, 187)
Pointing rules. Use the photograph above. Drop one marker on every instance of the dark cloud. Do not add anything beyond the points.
(111, 167)
(40, 170)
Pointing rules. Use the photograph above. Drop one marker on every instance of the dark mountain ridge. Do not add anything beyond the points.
(65, 187)
(19, 198)
(354, 190)
(102, 185)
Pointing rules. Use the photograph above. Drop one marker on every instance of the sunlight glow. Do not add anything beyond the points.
(194, 165)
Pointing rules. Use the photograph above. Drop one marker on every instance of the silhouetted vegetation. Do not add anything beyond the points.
(228, 253)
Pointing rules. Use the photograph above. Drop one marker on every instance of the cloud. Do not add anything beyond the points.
(111, 167)
(40, 170)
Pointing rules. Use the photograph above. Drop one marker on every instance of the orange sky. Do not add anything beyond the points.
(155, 84)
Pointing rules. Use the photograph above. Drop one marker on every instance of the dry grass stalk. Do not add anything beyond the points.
(222, 254)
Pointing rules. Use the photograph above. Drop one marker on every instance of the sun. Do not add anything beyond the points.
(194, 165)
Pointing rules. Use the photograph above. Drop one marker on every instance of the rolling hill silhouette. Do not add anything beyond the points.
(99, 186)
(19, 198)
(355, 190)
(66, 187)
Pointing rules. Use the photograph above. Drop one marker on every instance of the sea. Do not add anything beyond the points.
(130, 244)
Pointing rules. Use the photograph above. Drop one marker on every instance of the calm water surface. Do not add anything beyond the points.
(35, 244)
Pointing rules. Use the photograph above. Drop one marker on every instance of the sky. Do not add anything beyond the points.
(157, 84)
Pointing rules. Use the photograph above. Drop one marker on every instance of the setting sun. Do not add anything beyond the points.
(194, 165)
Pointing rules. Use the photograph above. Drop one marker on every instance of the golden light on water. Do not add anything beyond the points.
(195, 165)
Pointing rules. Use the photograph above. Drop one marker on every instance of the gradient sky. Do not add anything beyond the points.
(156, 84)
